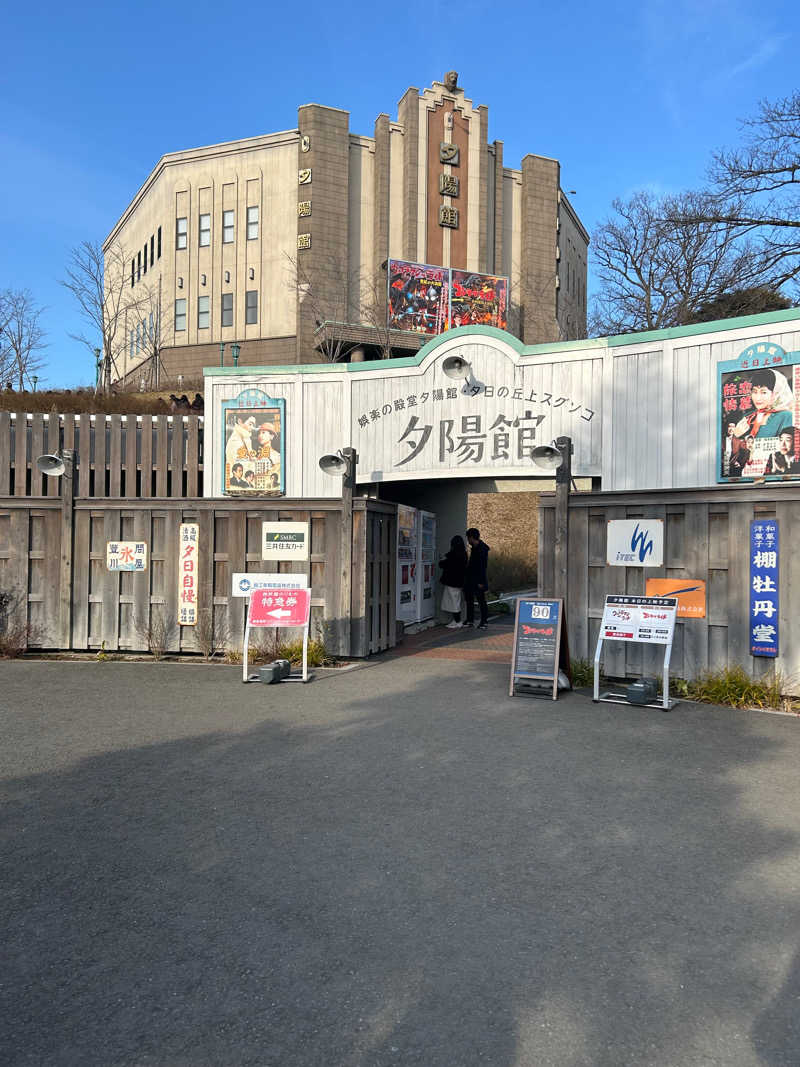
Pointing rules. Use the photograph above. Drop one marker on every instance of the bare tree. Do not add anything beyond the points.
(151, 320)
(100, 285)
(326, 297)
(22, 337)
(659, 259)
(374, 312)
(755, 190)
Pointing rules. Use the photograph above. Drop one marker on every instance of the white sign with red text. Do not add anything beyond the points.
(647, 619)
(188, 539)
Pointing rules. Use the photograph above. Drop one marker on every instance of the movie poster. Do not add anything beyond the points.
(478, 300)
(253, 447)
(418, 296)
(759, 406)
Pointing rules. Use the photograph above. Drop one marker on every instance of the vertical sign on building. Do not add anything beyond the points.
(764, 587)
(187, 574)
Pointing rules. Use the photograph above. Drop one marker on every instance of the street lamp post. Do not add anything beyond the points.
(235, 349)
(222, 353)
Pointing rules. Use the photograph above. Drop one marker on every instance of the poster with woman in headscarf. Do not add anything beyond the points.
(759, 398)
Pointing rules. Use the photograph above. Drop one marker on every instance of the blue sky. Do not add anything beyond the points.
(625, 95)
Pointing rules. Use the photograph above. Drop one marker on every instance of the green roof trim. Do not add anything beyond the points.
(619, 341)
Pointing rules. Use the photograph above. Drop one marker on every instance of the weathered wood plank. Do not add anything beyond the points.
(52, 446)
(110, 627)
(100, 464)
(161, 454)
(142, 582)
(741, 514)
(37, 449)
(145, 452)
(115, 456)
(84, 428)
(577, 605)
(80, 580)
(175, 458)
(695, 631)
(193, 456)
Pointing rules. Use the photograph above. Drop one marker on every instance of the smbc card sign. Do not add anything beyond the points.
(284, 540)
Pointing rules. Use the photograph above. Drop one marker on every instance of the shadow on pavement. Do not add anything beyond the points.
(395, 868)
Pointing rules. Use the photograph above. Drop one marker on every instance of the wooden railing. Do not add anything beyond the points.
(133, 456)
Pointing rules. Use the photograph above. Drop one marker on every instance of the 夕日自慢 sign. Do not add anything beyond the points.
(635, 543)
(764, 559)
(284, 540)
(188, 538)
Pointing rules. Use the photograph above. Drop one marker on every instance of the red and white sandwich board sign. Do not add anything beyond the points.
(279, 607)
(273, 608)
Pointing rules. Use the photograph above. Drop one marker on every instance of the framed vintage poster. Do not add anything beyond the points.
(253, 445)
(759, 415)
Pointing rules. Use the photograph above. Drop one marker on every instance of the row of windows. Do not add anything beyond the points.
(139, 337)
(226, 310)
(139, 261)
(204, 228)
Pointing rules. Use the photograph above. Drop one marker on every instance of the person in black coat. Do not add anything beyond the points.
(477, 579)
(454, 569)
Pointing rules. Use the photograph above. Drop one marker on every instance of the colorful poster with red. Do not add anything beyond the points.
(418, 296)
(478, 300)
(759, 414)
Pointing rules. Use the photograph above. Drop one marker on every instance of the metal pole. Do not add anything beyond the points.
(561, 547)
(345, 609)
(67, 534)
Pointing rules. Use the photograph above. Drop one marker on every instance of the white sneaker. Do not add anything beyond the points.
(453, 625)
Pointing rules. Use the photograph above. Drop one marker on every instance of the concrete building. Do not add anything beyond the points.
(280, 242)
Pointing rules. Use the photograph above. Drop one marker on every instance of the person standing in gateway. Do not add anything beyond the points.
(477, 580)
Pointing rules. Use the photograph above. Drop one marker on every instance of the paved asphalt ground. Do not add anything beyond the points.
(396, 865)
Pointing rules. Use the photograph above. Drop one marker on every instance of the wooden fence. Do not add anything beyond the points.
(131, 456)
(706, 536)
(53, 560)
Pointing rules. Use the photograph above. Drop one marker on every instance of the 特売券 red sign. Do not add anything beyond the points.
(279, 607)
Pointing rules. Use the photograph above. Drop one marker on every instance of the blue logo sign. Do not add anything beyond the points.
(764, 553)
(641, 543)
(244, 584)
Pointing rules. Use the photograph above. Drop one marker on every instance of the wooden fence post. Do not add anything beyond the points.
(67, 537)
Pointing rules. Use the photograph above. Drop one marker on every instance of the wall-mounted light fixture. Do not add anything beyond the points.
(202, 279)
(252, 273)
(180, 283)
(227, 275)
(235, 349)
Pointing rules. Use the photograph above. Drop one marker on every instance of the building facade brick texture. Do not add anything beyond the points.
(271, 241)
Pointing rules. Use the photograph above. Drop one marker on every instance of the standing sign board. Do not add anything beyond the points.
(278, 607)
(284, 540)
(764, 552)
(637, 620)
(540, 645)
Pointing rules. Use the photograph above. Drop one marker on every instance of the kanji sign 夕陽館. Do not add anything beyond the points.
(426, 424)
